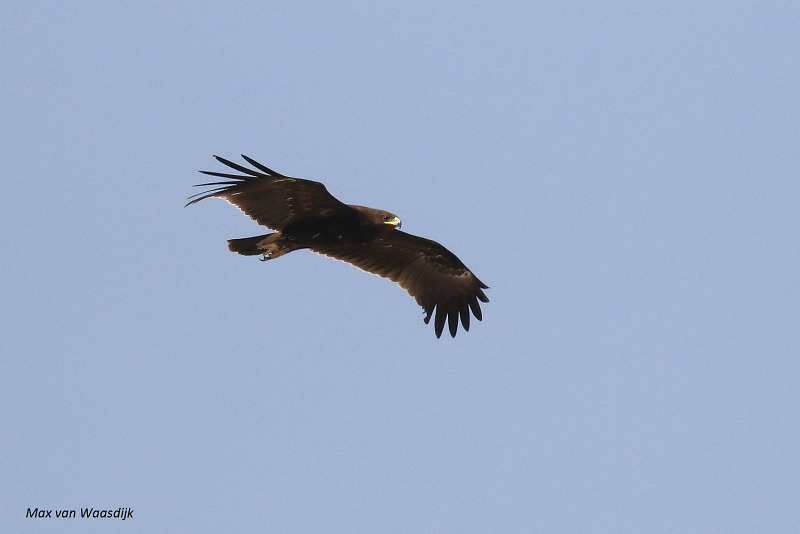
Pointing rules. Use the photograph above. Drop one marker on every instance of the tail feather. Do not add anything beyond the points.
(250, 246)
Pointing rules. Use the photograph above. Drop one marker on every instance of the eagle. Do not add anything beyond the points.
(303, 214)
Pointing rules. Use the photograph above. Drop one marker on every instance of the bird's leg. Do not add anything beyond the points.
(270, 251)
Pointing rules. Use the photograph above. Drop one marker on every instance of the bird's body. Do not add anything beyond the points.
(304, 215)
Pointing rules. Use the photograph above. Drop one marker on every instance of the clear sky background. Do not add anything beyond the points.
(623, 175)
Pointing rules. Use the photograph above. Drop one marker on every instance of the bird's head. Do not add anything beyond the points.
(379, 218)
(391, 219)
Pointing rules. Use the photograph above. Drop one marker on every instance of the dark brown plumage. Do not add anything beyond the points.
(304, 215)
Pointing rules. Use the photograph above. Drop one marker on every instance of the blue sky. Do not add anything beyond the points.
(624, 176)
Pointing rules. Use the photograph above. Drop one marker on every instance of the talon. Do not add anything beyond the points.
(270, 251)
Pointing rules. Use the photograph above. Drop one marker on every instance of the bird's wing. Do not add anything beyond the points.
(433, 275)
(268, 197)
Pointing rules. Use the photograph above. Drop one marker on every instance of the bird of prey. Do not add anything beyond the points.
(303, 214)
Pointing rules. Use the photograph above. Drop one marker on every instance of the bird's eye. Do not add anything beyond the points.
(386, 218)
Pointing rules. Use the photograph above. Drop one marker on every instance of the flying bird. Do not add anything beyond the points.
(305, 215)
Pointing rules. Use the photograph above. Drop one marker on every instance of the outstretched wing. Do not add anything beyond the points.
(433, 275)
(268, 197)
